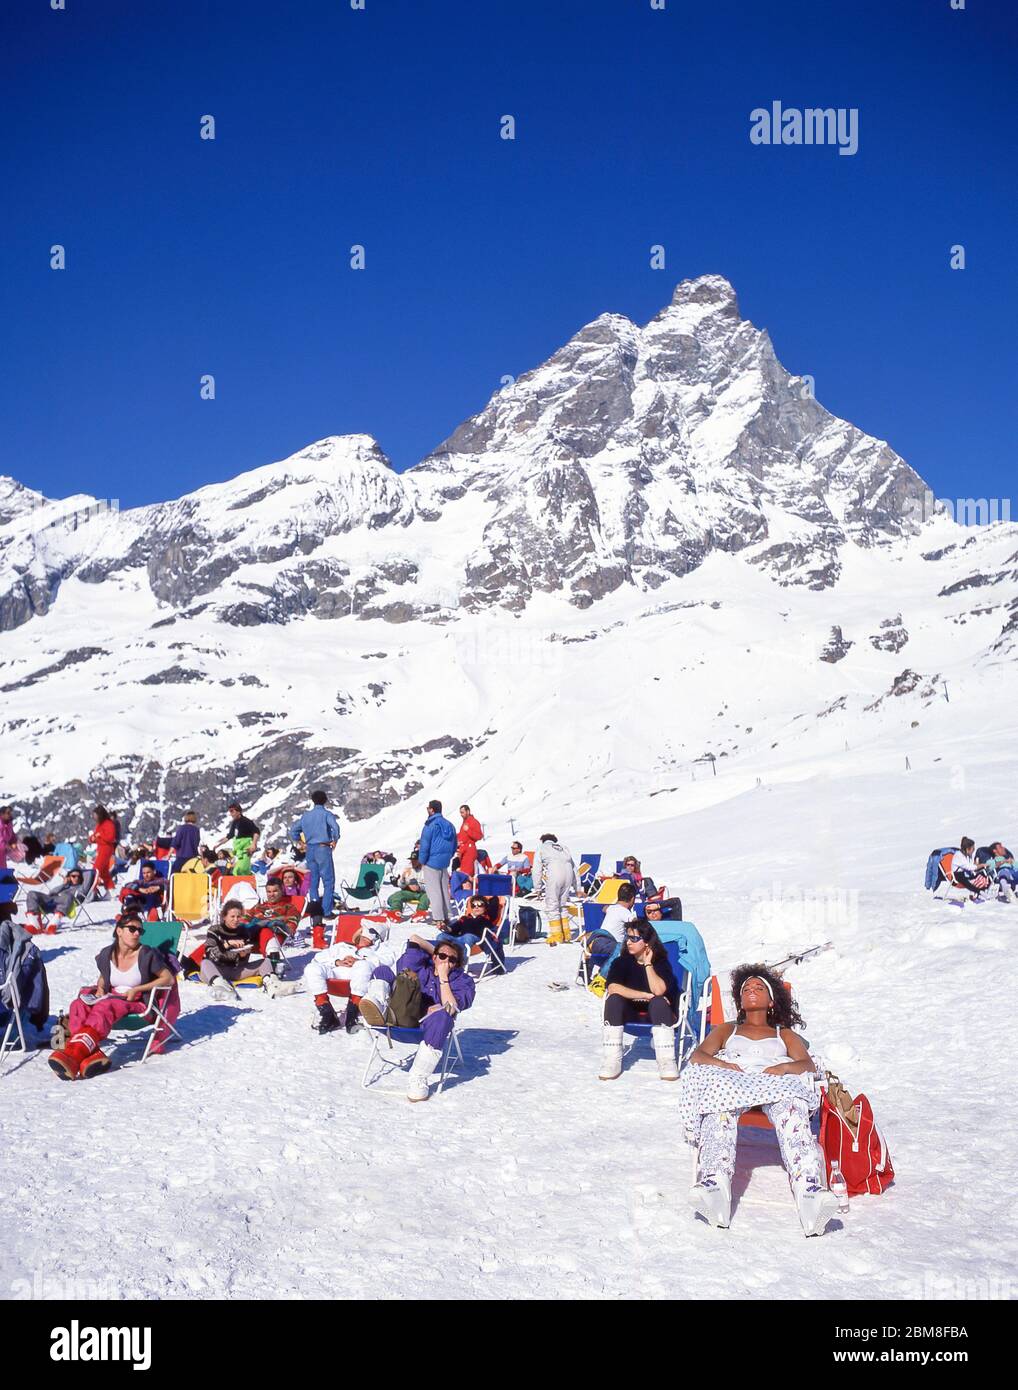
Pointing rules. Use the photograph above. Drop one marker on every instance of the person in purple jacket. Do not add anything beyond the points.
(446, 988)
(185, 842)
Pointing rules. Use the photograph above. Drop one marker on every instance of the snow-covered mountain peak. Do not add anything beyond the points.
(707, 293)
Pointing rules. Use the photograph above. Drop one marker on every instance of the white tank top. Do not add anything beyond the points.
(124, 979)
(754, 1054)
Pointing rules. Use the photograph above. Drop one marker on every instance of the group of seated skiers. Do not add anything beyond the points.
(983, 870)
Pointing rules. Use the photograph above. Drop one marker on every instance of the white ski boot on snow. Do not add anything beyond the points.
(664, 1052)
(425, 1062)
(712, 1199)
(611, 1053)
(816, 1205)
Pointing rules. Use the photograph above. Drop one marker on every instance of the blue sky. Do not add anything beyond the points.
(381, 127)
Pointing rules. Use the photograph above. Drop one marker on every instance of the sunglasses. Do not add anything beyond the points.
(635, 936)
(445, 955)
(130, 926)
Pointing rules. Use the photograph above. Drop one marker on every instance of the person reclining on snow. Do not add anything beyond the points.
(998, 861)
(966, 873)
(445, 990)
(128, 973)
(354, 962)
(147, 893)
(756, 1061)
(57, 901)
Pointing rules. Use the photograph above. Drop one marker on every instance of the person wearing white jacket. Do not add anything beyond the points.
(354, 962)
(555, 869)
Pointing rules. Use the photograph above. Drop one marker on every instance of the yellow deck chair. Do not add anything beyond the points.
(608, 892)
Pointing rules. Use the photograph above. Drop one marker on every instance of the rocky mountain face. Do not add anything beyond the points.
(300, 622)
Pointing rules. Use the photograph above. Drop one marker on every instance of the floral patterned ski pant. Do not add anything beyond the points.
(800, 1152)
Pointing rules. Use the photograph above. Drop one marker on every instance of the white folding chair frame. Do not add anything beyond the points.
(153, 1016)
(14, 1024)
(384, 1065)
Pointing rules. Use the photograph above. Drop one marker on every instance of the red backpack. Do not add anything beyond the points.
(849, 1136)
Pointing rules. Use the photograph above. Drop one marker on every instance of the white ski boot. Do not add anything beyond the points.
(712, 1199)
(664, 1051)
(223, 989)
(425, 1062)
(817, 1206)
(276, 988)
(611, 1055)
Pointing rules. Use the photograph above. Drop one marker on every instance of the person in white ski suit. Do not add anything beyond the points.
(354, 962)
(555, 870)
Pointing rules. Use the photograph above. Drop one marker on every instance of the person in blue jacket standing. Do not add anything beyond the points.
(438, 845)
(320, 830)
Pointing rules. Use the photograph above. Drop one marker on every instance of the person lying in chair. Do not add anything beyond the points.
(468, 928)
(147, 893)
(642, 988)
(228, 952)
(59, 902)
(443, 988)
(275, 917)
(128, 973)
(355, 962)
(756, 1061)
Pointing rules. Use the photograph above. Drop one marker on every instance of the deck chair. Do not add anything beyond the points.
(593, 916)
(191, 899)
(84, 914)
(368, 885)
(10, 998)
(684, 1036)
(608, 893)
(503, 887)
(379, 1066)
(8, 886)
(165, 937)
(49, 868)
(243, 887)
(68, 853)
(587, 871)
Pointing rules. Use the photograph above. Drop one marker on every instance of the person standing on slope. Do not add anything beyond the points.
(438, 845)
(470, 833)
(185, 842)
(244, 834)
(555, 869)
(320, 830)
(105, 838)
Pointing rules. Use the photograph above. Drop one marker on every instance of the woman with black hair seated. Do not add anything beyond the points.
(641, 988)
(756, 1061)
(128, 973)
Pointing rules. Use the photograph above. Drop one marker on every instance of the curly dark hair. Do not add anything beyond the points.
(783, 1012)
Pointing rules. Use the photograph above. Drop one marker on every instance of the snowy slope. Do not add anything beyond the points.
(266, 1168)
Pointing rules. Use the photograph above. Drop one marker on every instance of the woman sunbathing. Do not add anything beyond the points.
(128, 973)
(756, 1061)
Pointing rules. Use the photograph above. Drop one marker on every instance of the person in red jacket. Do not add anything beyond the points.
(466, 841)
(104, 837)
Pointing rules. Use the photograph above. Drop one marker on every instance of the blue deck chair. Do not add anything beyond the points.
(70, 854)
(593, 916)
(589, 865)
(685, 1035)
(379, 1066)
(8, 886)
(501, 886)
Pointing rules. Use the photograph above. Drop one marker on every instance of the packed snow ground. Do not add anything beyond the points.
(251, 1163)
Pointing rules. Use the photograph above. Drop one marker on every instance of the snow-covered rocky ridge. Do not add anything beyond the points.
(657, 543)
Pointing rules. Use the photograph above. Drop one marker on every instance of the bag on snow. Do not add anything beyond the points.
(526, 925)
(850, 1137)
(407, 1005)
